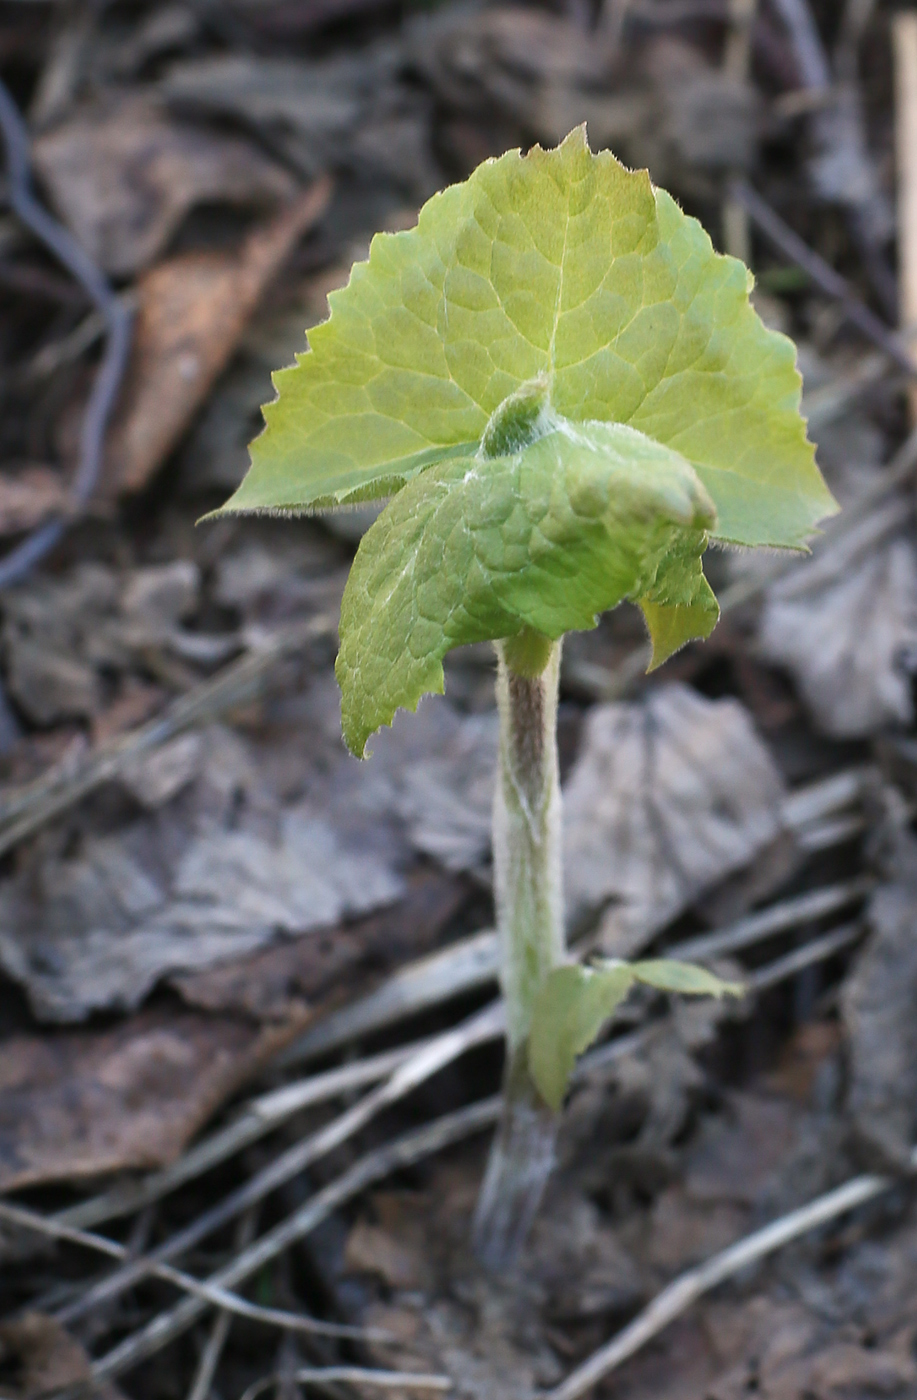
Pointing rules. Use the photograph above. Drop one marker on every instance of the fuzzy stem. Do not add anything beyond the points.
(529, 902)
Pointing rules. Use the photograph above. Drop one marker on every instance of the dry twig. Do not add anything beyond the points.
(426, 1062)
(393, 1156)
(352, 1375)
(694, 1283)
(208, 1293)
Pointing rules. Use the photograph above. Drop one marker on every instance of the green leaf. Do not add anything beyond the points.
(482, 547)
(574, 1003)
(667, 975)
(681, 605)
(570, 1009)
(563, 265)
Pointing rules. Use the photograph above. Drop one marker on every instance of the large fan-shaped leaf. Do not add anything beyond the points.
(559, 264)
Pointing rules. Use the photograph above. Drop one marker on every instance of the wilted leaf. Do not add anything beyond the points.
(668, 796)
(446, 796)
(842, 623)
(192, 310)
(79, 1104)
(350, 110)
(64, 635)
(181, 890)
(574, 1003)
(666, 107)
(123, 175)
(288, 978)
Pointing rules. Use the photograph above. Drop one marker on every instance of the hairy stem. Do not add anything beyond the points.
(529, 901)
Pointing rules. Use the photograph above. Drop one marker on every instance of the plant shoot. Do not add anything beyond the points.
(567, 395)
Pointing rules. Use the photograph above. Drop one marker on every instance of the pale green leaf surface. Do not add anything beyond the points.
(668, 975)
(570, 1010)
(563, 264)
(574, 1004)
(480, 547)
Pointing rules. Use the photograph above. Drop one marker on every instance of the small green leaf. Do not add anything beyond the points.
(667, 975)
(681, 605)
(574, 1003)
(570, 1010)
(560, 267)
(482, 547)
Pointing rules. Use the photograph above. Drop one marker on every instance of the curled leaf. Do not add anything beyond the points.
(480, 547)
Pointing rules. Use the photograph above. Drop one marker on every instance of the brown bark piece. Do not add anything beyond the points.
(192, 310)
(80, 1104)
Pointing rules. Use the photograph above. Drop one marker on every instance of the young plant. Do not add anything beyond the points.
(567, 394)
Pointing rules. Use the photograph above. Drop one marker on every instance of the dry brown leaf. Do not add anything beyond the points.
(123, 174)
(392, 1246)
(29, 497)
(878, 1000)
(666, 107)
(351, 110)
(192, 311)
(79, 1104)
(64, 636)
(273, 983)
(223, 871)
(44, 1359)
(667, 797)
(842, 622)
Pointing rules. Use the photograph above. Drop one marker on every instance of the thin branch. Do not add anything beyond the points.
(787, 914)
(375, 1166)
(263, 1116)
(819, 950)
(207, 1293)
(787, 240)
(352, 1375)
(268, 1111)
(435, 1053)
(422, 1065)
(473, 962)
(117, 318)
(807, 45)
(694, 1283)
(465, 965)
(209, 1358)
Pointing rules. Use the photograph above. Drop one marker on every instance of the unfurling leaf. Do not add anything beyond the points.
(545, 370)
(480, 547)
(574, 1003)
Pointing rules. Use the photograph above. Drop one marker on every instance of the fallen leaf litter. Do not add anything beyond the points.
(202, 888)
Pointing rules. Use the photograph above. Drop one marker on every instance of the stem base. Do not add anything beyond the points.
(521, 1159)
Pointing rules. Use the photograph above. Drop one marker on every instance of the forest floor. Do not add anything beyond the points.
(249, 1035)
